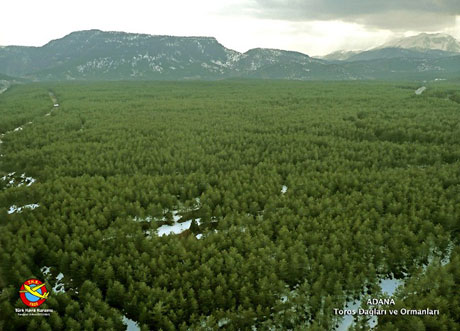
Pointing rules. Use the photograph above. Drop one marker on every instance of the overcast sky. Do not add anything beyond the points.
(314, 27)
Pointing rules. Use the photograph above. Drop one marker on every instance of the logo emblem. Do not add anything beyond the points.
(33, 293)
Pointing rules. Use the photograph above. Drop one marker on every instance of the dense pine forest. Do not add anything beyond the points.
(300, 196)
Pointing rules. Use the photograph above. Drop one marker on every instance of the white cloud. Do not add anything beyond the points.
(454, 30)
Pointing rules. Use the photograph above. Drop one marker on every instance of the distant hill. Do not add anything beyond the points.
(405, 68)
(99, 55)
(95, 54)
(340, 55)
(275, 64)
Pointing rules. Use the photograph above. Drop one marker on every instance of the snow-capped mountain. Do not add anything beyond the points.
(426, 41)
(423, 45)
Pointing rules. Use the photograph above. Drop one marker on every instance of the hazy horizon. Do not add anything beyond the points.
(307, 27)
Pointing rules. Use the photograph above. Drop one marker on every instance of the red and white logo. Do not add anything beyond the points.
(33, 292)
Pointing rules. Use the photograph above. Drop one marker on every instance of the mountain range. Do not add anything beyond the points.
(99, 55)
